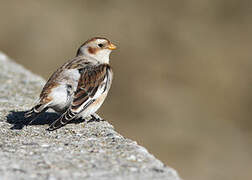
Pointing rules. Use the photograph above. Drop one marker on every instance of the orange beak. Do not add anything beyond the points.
(111, 46)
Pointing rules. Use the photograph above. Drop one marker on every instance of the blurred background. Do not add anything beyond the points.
(183, 81)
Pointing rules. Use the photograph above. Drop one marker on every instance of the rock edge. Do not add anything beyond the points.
(77, 151)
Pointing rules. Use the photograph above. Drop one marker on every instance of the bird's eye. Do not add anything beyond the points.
(100, 45)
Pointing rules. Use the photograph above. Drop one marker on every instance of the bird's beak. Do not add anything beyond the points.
(111, 46)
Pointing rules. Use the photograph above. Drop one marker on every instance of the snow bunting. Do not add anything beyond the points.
(79, 87)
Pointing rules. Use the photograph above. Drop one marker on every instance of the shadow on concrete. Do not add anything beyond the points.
(17, 119)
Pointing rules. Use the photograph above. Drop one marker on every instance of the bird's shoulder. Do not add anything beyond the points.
(78, 62)
(93, 75)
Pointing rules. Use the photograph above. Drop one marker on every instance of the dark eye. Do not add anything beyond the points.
(100, 45)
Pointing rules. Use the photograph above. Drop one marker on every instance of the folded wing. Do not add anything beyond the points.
(93, 82)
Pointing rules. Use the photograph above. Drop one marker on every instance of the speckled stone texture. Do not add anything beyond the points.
(79, 150)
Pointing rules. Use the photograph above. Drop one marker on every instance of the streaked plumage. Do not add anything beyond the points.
(79, 87)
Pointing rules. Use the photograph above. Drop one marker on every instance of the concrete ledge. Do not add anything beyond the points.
(77, 151)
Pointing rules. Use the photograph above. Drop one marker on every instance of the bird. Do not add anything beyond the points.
(79, 87)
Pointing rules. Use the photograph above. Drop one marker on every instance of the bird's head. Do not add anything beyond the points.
(97, 48)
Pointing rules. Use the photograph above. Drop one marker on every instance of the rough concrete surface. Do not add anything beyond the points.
(79, 150)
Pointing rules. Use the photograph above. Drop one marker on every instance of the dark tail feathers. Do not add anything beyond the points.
(34, 113)
(63, 120)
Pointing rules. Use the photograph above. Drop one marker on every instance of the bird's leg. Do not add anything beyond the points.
(95, 117)
(88, 118)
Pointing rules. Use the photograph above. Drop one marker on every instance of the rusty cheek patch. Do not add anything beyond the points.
(92, 50)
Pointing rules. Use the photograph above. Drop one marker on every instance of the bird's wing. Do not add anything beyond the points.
(45, 100)
(53, 81)
(93, 82)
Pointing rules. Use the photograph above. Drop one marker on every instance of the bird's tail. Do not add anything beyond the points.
(34, 113)
(62, 120)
